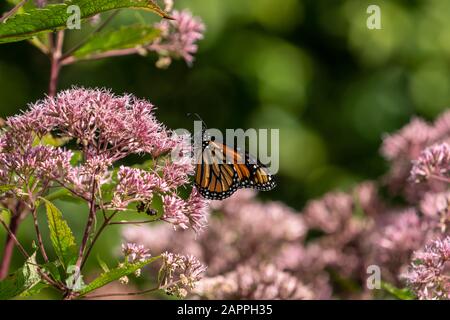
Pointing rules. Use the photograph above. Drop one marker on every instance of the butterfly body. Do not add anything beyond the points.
(221, 171)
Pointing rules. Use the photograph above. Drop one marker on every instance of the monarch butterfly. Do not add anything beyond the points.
(221, 171)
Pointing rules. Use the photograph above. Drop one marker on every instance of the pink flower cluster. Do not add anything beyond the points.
(252, 241)
(100, 129)
(429, 274)
(410, 158)
(135, 253)
(179, 274)
(265, 282)
(178, 37)
(433, 163)
(265, 250)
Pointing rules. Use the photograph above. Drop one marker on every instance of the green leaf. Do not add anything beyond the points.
(53, 17)
(77, 158)
(102, 264)
(50, 140)
(23, 279)
(123, 38)
(34, 290)
(63, 194)
(52, 269)
(115, 274)
(5, 215)
(6, 187)
(401, 294)
(61, 236)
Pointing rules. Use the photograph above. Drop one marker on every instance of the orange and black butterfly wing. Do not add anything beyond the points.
(215, 178)
(259, 176)
(222, 170)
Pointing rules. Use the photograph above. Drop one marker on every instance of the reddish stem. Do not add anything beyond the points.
(89, 224)
(12, 11)
(9, 246)
(55, 61)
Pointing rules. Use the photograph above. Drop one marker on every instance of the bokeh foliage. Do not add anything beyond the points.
(310, 68)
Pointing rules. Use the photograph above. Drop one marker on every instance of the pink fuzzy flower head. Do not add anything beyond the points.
(433, 163)
(401, 234)
(442, 126)
(134, 185)
(429, 272)
(174, 211)
(135, 253)
(436, 207)
(180, 274)
(184, 213)
(330, 213)
(178, 37)
(265, 282)
(409, 141)
(103, 128)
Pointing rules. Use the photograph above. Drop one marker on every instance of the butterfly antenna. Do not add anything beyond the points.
(198, 117)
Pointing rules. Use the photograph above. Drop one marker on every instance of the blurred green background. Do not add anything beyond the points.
(311, 68)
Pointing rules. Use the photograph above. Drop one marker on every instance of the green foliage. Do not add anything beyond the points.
(401, 294)
(5, 215)
(52, 269)
(22, 280)
(6, 187)
(61, 236)
(115, 274)
(123, 38)
(50, 140)
(33, 22)
(103, 265)
(63, 194)
(34, 290)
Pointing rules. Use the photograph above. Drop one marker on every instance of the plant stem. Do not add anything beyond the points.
(137, 293)
(9, 247)
(13, 240)
(90, 222)
(16, 219)
(95, 31)
(123, 294)
(12, 11)
(107, 54)
(132, 222)
(38, 233)
(27, 256)
(97, 235)
(55, 61)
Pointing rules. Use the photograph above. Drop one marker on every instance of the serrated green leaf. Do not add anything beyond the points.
(401, 294)
(23, 279)
(115, 274)
(61, 236)
(33, 22)
(123, 38)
